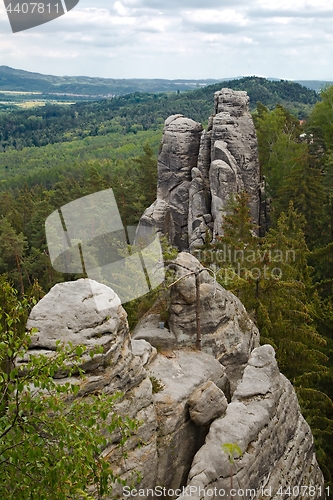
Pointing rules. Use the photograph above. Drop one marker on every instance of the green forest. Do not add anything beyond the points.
(53, 155)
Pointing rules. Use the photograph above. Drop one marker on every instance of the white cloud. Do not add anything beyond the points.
(179, 39)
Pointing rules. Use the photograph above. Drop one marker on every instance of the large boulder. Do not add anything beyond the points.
(207, 403)
(227, 331)
(68, 313)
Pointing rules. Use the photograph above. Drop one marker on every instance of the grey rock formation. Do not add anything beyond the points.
(228, 163)
(228, 334)
(233, 124)
(198, 172)
(54, 319)
(178, 156)
(177, 393)
(264, 419)
(207, 403)
(68, 313)
(180, 372)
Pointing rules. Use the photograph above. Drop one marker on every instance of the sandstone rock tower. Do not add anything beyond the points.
(198, 171)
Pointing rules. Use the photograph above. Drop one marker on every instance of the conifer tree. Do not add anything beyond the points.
(272, 278)
(13, 248)
(322, 115)
(304, 186)
(279, 145)
(147, 171)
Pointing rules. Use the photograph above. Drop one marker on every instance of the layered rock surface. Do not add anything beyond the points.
(181, 373)
(179, 394)
(264, 419)
(199, 170)
(227, 333)
(178, 156)
(68, 313)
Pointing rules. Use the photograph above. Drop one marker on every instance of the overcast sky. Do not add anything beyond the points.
(290, 39)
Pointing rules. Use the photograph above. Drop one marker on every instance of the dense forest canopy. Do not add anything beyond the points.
(53, 155)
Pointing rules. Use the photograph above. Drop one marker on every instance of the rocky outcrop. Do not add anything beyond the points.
(188, 402)
(199, 170)
(264, 420)
(227, 332)
(180, 373)
(178, 156)
(233, 125)
(68, 313)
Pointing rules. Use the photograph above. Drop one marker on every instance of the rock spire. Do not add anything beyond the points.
(199, 170)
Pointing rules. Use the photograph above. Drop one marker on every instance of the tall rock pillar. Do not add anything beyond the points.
(200, 170)
(229, 158)
(178, 156)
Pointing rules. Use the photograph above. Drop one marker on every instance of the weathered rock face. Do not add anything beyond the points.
(178, 393)
(198, 172)
(178, 156)
(227, 332)
(68, 313)
(181, 373)
(264, 419)
(207, 403)
(234, 142)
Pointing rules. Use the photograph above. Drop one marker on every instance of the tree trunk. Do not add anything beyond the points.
(197, 311)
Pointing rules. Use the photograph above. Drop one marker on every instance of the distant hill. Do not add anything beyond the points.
(316, 85)
(92, 87)
(292, 95)
(139, 111)
(24, 81)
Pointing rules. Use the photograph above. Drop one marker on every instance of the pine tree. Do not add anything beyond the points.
(146, 165)
(304, 186)
(13, 248)
(279, 145)
(322, 115)
(272, 278)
